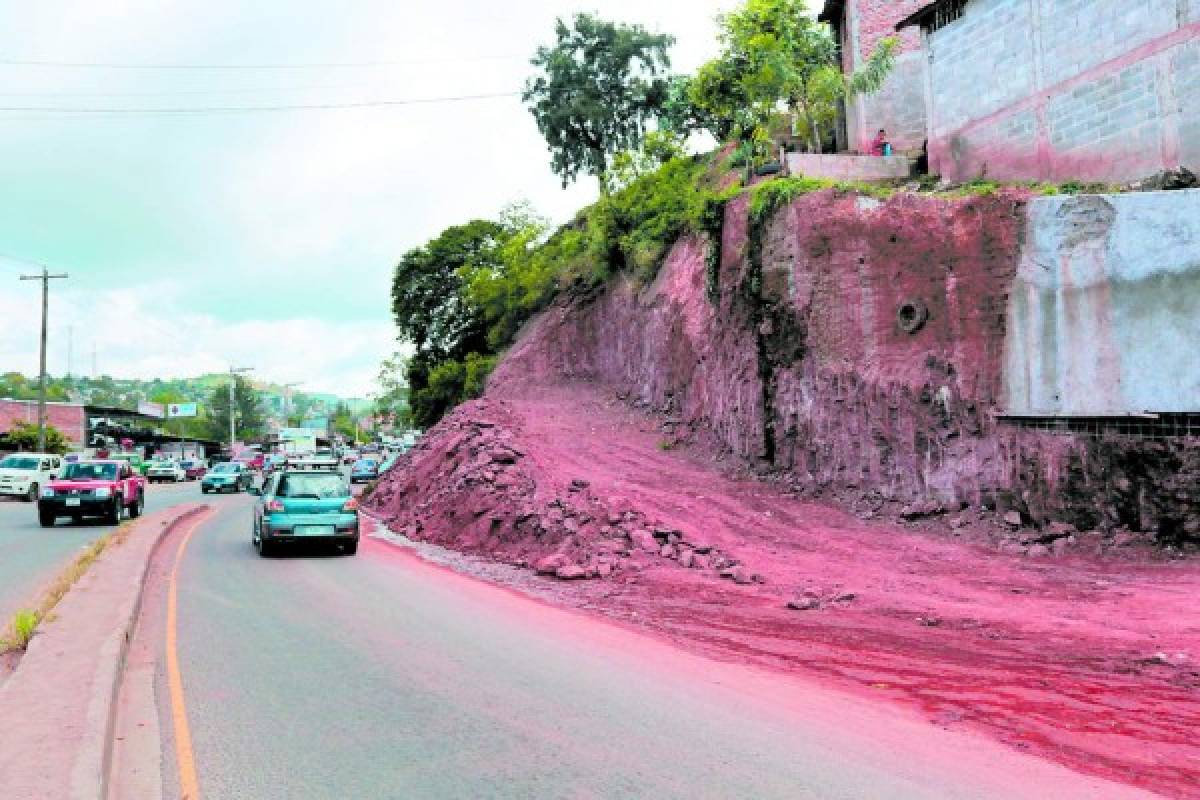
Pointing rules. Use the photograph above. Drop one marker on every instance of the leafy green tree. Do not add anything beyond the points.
(344, 422)
(24, 436)
(683, 114)
(774, 53)
(598, 87)
(428, 303)
(391, 404)
(250, 420)
(448, 384)
(720, 98)
(658, 148)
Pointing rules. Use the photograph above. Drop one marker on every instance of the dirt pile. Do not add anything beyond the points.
(471, 487)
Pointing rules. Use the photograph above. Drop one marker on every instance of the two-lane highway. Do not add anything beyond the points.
(31, 556)
(382, 676)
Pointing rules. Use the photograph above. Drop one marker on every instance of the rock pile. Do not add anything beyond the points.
(469, 486)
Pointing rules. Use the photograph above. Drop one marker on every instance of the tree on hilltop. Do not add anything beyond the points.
(599, 86)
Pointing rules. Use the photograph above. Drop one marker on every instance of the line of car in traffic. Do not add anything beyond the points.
(301, 498)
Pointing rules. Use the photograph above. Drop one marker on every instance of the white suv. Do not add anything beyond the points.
(23, 474)
(166, 471)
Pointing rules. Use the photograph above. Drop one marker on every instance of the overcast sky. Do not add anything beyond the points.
(264, 239)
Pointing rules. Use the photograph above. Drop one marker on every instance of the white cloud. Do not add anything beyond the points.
(148, 333)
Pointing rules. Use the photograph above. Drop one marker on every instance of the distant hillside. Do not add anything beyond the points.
(127, 393)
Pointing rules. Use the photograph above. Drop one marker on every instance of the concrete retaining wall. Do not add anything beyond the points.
(849, 168)
(1104, 316)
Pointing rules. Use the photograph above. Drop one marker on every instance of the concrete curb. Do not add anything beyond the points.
(63, 693)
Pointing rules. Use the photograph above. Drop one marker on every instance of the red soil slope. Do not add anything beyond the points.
(613, 455)
(1086, 660)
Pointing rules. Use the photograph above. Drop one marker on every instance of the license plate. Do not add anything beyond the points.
(73, 501)
(314, 530)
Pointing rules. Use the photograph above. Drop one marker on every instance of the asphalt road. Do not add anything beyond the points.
(382, 676)
(31, 556)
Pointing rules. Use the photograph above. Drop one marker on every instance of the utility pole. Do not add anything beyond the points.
(45, 278)
(287, 400)
(233, 373)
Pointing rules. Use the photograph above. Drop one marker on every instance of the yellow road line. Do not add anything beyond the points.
(189, 785)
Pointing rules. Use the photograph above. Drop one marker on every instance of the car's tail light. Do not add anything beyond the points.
(351, 504)
(275, 506)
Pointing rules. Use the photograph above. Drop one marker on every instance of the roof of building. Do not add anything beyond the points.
(923, 13)
(832, 12)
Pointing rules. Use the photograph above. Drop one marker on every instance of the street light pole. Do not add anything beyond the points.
(45, 278)
(233, 373)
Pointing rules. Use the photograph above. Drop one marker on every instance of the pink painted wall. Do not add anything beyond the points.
(67, 418)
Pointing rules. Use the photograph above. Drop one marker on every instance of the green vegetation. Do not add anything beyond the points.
(775, 54)
(462, 298)
(22, 628)
(391, 405)
(24, 436)
(251, 418)
(598, 87)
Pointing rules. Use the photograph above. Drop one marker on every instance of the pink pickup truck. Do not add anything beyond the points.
(105, 489)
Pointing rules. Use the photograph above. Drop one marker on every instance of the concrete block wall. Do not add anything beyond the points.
(1077, 35)
(980, 63)
(1111, 88)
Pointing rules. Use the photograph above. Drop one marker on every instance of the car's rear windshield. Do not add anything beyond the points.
(225, 468)
(17, 462)
(313, 486)
(90, 472)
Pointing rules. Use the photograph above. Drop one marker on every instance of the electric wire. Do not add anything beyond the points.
(258, 108)
(267, 66)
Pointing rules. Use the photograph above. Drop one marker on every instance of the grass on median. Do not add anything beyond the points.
(24, 623)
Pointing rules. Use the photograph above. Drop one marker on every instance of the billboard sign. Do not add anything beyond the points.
(151, 410)
(182, 410)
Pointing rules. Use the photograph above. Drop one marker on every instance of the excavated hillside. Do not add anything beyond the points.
(785, 451)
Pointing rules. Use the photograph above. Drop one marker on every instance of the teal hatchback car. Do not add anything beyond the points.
(226, 477)
(305, 505)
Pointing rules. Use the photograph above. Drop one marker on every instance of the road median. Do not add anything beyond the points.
(58, 708)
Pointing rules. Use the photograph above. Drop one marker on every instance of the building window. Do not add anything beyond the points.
(944, 14)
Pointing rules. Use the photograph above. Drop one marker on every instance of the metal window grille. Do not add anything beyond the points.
(944, 14)
(1145, 426)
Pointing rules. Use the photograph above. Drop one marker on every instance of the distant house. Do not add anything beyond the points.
(858, 26)
(1095, 90)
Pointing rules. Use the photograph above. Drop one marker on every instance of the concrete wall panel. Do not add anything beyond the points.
(1105, 312)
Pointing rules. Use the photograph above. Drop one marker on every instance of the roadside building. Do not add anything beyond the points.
(69, 418)
(899, 107)
(1092, 90)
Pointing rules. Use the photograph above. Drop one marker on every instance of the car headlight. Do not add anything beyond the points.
(103, 493)
(47, 493)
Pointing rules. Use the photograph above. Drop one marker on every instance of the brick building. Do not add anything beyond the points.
(70, 418)
(1099, 90)
(858, 26)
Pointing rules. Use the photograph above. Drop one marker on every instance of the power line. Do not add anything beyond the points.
(268, 66)
(190, 92)
(255, 109)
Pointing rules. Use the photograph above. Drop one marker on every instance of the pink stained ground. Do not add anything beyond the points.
(1089, 662)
